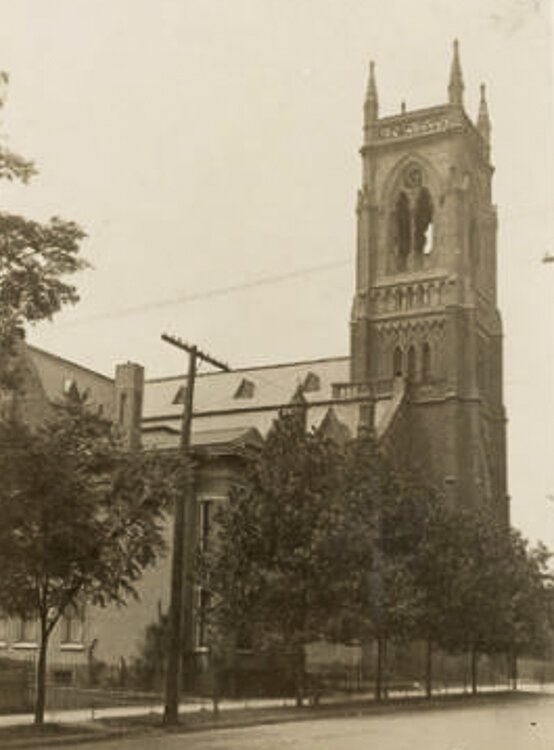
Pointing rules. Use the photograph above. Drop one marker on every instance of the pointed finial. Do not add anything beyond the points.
(456, 84)
(483, 119)
(371, 99)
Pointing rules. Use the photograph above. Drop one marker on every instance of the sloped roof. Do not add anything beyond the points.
(58, 374)
(217, 409)
(165, 436)
(273, 386)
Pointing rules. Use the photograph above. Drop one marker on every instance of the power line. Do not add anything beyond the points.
(209, 293)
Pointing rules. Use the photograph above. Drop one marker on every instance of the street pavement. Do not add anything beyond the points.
(503, 724)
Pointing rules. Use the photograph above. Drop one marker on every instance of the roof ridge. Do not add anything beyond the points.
(278, 365)
(71, 362)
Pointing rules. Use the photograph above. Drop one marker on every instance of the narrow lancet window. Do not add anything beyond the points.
(424, 223)
(397, 362)
(403, 226)
(411, 363)
(426, 362)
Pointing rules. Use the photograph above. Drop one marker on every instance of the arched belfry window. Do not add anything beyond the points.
(411, 363)
(397, 362)
(413, 215)
(403, 226)
(424, 222)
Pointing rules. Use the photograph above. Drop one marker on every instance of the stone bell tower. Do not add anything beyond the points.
(425, 307)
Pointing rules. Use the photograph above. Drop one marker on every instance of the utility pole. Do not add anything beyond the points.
(183, 503)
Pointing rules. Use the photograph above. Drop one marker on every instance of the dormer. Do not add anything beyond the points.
(312, 382)
(246, 389)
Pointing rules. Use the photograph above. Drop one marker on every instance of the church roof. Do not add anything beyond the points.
(59, 376)
(251, 398)
(245, 390)
(227, 405)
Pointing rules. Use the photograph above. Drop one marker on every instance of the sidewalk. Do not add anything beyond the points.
(76, 727)
(82, 715)
(198, 705)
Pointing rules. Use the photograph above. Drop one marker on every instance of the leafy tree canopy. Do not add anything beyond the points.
(81, 518)
(36, 260)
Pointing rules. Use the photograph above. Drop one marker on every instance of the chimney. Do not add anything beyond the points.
(129, 388)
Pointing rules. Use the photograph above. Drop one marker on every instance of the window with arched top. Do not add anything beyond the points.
(412, 364)
(403, 226)
(413, 220)
(424, 222)
(473, 247)
(397, 362)
(426, 361)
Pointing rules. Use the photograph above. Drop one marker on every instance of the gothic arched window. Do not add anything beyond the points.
(425, 362)
(397, 362)
(403, 226)
(424, 222)
(412, 363)
(473, 247)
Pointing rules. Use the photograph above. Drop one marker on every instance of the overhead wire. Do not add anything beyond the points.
(208, 293)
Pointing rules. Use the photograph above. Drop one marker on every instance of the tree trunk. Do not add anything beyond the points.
(215, 688)
(40, 698)
(474, 660)
(513, 669)
(299, 676)
(381, 667)
(429, 669)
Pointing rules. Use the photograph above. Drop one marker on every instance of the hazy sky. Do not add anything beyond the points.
(205, 144)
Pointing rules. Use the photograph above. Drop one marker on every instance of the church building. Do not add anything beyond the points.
(425, 367)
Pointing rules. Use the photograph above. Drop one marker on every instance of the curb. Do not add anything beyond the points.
(96, 732)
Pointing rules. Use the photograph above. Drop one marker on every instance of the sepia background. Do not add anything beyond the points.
(210, 150)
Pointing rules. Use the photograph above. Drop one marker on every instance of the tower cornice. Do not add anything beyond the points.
(429, 122)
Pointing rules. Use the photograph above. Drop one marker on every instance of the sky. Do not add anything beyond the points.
(207, 145)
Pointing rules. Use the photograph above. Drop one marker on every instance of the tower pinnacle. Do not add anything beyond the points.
(371, 106)
(456, 84)
(483, 119)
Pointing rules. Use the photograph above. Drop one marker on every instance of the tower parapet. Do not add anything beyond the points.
(425, 303)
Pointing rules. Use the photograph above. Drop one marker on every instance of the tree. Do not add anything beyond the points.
(35, 261)
(81, 519)
(483, 590)
(437, 565)
(317, 542)
(149, 666)
(525, 592)
(384, 514)
(265, 572)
